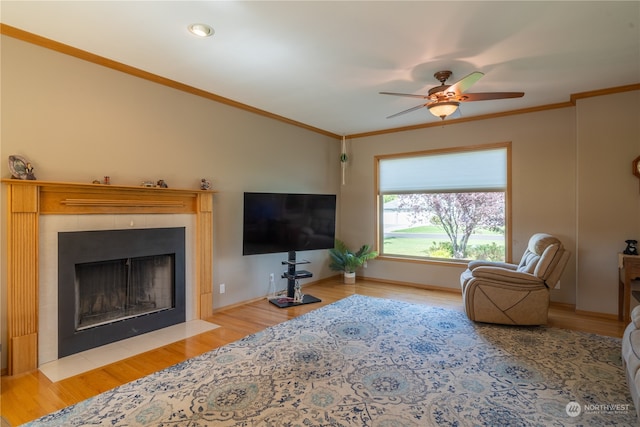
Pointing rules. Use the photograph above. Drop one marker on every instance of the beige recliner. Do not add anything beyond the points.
(510, 294)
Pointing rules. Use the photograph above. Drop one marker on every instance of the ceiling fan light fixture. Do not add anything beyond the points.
(201, 30)
(443, 109)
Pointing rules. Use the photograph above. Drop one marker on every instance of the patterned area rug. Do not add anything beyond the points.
(366, 361)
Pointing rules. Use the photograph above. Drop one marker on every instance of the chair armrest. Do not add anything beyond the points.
(480, 263)
(506, 275)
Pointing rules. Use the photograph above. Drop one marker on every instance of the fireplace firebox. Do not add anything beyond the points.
(116, 284)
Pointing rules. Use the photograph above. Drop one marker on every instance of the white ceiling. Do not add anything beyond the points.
(323, 63)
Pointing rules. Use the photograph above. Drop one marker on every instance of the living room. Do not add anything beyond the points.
(78, 121)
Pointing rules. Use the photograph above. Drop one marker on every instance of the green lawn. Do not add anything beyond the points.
(419, 247)
(408, 246)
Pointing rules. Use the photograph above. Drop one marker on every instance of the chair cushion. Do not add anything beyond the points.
(635, 316)
(547, 261)
(538, 259)
(540, 241)
(528, 262)
(631, 357)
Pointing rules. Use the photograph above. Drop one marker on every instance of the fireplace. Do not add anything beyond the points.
(31, 335)
(114, 290)
(116, 284)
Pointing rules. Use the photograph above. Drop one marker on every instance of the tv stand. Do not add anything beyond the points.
(292, 275)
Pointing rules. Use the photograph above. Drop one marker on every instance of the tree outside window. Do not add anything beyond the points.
(437, 216)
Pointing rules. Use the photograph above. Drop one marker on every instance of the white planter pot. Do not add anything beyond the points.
(350, 277)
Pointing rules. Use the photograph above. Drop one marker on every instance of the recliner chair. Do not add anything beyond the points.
(515, 294)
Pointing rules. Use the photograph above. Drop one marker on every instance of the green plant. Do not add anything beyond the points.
(440, 250)
(346, 260)
(488, 251)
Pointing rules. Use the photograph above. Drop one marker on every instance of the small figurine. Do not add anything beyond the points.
(632, 247)
(205, 184)
(29, 171)
(107, 180)
(20, 168)
(162, 184)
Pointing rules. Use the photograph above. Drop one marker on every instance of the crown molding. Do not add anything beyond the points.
(118, 66)
(37, 40)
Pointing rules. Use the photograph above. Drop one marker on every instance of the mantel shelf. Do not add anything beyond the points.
(108, 187)
(77, 198)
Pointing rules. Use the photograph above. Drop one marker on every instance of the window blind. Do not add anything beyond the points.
(468, 171)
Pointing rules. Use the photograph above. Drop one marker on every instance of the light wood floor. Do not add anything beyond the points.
(29, 396)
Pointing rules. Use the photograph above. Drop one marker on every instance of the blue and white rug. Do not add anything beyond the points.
(366, 361)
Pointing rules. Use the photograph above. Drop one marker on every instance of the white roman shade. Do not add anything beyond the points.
(465, 171)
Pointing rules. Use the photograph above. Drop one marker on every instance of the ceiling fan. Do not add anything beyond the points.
(444, 100)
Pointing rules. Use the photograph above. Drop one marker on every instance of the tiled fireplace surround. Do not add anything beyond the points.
(51, 225)
(39, 210)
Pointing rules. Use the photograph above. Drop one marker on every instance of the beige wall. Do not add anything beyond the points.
(77, 121)
(571, 176)
(608, 195)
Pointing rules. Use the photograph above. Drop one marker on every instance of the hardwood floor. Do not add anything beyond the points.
(29, 396)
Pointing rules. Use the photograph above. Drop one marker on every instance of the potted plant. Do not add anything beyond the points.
(345, 260)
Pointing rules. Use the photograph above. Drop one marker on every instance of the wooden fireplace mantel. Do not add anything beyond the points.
(27, 200)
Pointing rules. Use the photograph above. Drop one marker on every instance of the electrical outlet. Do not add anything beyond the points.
(272, 277)
(222, 288)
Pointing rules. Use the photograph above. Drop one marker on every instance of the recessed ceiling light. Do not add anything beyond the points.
(200, 30)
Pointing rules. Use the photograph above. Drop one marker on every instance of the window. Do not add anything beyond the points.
(445, 204)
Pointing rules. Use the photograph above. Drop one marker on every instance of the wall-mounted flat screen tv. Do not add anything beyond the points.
(285, 222)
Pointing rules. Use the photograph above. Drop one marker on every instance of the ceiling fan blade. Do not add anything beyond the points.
(411, 95)
(487, 96)
(417, 107)
(465, 83)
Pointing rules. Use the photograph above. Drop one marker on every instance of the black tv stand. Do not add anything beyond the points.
(292, 275)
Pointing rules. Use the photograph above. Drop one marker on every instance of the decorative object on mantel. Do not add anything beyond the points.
(162, 184)
(343, 159)
(107, 180)
(148, 184)
(96, 181)
(205, 184)
(20, 168)
(632, 247)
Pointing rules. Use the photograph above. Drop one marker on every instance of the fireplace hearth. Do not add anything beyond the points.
(117, 284)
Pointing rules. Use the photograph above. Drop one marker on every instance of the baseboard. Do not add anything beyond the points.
(572, 308)
(249, 301)
(412, 285)
(557, 305)
(563, 306)
(338, 277)
(607, 316)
